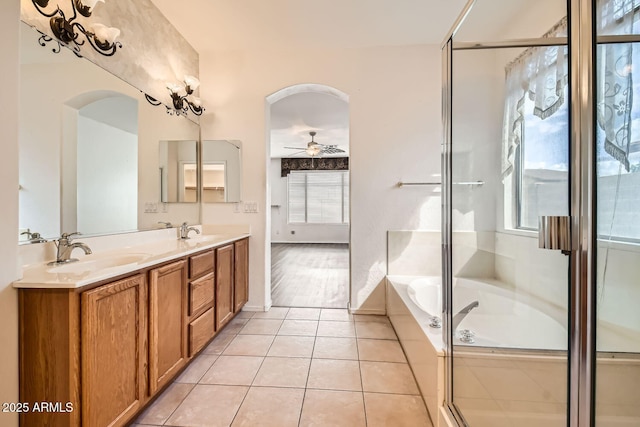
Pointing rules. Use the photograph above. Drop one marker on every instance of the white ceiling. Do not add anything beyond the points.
(293, 117)
(257, 24)
(211, 25)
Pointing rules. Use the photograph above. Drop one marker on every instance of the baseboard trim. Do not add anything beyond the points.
(256, 307)
(374, 311)
(311, 242)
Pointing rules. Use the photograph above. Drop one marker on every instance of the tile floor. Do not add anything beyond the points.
(295, 367)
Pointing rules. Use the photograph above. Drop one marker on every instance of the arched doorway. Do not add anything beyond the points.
(307, 229)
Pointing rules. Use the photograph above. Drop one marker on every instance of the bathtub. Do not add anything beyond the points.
(511, 330)
(502, 319)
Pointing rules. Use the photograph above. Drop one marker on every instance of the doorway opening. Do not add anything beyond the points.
(308, 229)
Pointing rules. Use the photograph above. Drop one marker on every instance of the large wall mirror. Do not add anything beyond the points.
(90, 149)
(221, 171)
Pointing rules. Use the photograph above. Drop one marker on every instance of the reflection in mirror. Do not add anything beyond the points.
(89, 155)
(178, 171)
(221, 171)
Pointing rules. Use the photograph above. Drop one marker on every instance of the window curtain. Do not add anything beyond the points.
(615, 79)
(541, 73)
(288, 164)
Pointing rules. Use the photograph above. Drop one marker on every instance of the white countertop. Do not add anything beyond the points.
(105, 265)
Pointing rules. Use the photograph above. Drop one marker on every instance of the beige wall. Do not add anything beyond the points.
(394, 105)
(9, 68)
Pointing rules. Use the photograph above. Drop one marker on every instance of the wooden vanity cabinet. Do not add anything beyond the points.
(113, 352)
(241, 274)
(201, 300)
(224, 285)
(106, 350)
(167, 322)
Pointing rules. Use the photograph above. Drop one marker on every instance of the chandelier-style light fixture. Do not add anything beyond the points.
(68, 30)
(181, 98)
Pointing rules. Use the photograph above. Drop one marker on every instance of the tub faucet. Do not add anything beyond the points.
(459, 316)
(185, 229)
(65, 247)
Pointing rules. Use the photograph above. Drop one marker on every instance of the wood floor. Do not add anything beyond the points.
(310, 275)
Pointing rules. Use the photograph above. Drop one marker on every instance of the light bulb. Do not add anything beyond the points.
(192, 82)
(104, 33)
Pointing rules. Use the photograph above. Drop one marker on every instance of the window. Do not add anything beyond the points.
(542, 166)
(319, 197)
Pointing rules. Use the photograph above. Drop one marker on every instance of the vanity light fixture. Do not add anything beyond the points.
(67, 31)
(181, 99)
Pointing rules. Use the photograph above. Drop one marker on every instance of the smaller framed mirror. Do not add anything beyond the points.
(221, 171)
(178, 171)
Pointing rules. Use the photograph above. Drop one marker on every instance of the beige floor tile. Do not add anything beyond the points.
(233, 370)
(371, 318)
(245, 314)
(273, 313)
(335, 348)
(375, 330)
(283, 372)
(380, 351)
(261, 327)
(219, 343)
(235, 326)
(384, 377)
(386, 410)
(249, 345)
(270, 407)
(163, 407)
(329, 374)
(341, 314)
(304, 314)
(336, 329)
(292, 346)
(333, 408)
(197, 369)
(209, 406)
(299, 327)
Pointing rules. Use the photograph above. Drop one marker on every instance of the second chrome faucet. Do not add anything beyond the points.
(65, 247)
(185, 229)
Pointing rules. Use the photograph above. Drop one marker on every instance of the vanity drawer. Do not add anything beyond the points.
(201, 263)
(201, 293)
(200, 331)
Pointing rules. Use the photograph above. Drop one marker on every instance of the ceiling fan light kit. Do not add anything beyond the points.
(316, 149)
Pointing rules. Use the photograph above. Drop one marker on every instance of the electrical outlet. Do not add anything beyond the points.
(250, 207)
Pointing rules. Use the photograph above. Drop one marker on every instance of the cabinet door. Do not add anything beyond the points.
(167, 322)
(113, 351)
(224, 285)
(241, 274)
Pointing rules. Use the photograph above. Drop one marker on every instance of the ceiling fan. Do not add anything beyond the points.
(316, 149)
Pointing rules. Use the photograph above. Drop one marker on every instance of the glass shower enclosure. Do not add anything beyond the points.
(541, 213)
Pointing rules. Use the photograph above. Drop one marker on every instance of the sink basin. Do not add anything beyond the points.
(204, 238)
(93, 264)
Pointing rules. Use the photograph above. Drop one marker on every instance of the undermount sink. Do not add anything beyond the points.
(93, 264)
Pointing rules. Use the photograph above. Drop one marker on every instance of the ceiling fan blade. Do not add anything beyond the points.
(296, 148)
(295, 154)
(332, 149)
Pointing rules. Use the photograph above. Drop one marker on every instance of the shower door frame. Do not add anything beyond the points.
(582, 270)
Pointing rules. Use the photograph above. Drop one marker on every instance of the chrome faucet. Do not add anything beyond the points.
(65, 247)
(185, 229)
(33, 237)
(459, 316)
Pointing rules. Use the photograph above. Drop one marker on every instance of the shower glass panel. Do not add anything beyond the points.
(509, 166)
(618, 213)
